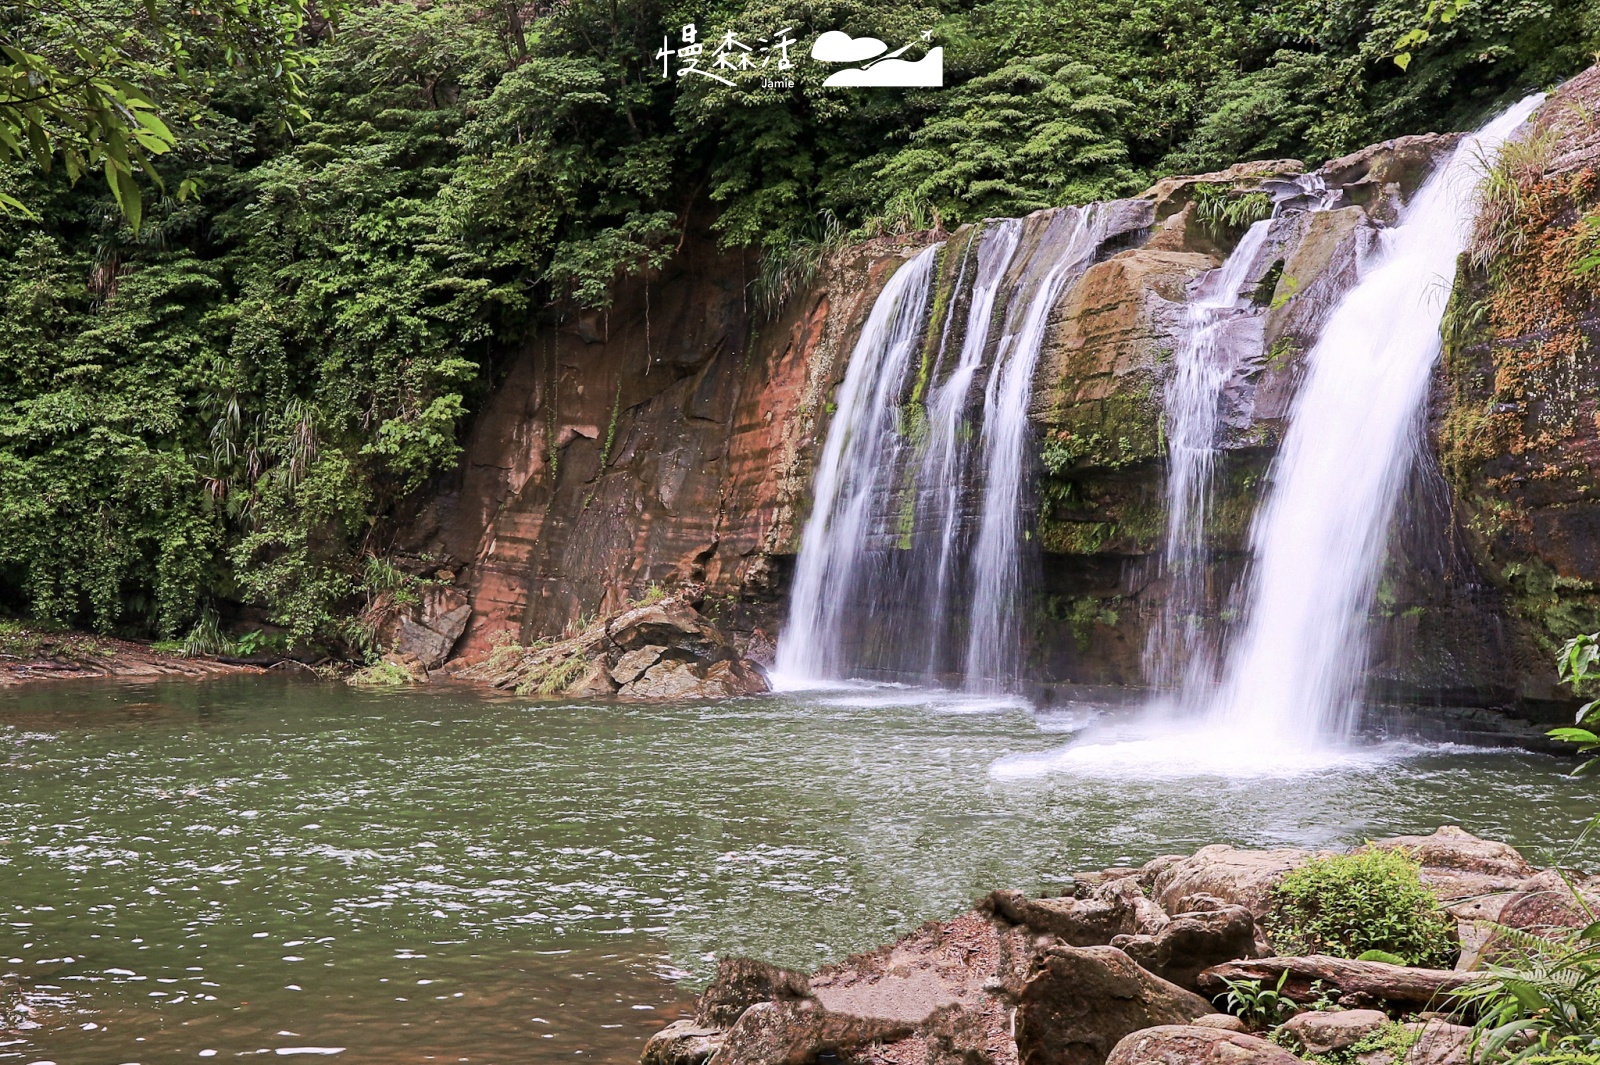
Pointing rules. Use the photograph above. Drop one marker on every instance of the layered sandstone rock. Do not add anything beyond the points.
(1516, 400)
(667, 441)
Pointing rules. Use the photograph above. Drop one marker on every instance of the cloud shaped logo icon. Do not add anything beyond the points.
(925, 73)
(837, 47)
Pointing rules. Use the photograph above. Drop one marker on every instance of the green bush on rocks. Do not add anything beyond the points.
(1346, 905)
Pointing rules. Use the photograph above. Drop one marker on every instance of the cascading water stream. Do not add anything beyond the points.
(943, 472)
(852, 473)
(1179, 652)
(1292, 681)
(994, 644)
(911, 562)
(1295, 673)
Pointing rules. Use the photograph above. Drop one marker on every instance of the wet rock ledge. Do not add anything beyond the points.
(1126, 967)
(660, 649)
(29, 654)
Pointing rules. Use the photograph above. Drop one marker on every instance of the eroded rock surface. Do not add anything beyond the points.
(1193, 941)
(1197, 1045)
(1237, 877)
(1079, 1002)
(1115, 908)
(683, 1042)
(656, 651)
(1456, 864)
(1513, 411)
(741, 983)
(1436, 1043)
(1323, 1032)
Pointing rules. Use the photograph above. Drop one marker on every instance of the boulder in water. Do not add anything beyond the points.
(685, 1042)
(656, 651)
(796, 1031)
(741, 983)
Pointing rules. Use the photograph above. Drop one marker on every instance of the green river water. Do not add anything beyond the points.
(249, 867)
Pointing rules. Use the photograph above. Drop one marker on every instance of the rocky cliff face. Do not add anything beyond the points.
(670, 440)
(673, 440)
(1517, 414)
(1098, 402)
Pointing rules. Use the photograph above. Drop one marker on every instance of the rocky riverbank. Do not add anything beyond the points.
(1136, 965)
(29, 654)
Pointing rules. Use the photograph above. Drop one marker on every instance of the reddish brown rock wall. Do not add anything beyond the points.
(670, 439)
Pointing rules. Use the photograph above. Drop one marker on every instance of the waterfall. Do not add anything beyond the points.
(853, 473)
(994, 644)
(911, 563)
(1318, 540)
(944, 467)
(1212, 353)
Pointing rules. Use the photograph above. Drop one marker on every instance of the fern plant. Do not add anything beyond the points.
(1546, 1003)
(1577, 667)
(1218, 208)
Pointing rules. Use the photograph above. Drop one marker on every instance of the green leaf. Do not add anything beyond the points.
(1381, 955)
(157, 128)
(12, 205)
(126, 189)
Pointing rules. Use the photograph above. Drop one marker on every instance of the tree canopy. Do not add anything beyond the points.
(225, 362)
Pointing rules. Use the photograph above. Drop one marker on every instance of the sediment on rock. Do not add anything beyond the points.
(28, 655)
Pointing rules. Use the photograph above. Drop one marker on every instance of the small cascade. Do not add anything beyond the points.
(1219, 338)
(994, 646)
(1295, 673)
(944, 472)
(911, 563)
(853, 474)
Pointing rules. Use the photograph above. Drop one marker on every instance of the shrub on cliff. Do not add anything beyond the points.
(1347, 905)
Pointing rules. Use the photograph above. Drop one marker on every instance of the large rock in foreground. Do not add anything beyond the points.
(1107, 973)
(1081, 1001)
(1192, 1045)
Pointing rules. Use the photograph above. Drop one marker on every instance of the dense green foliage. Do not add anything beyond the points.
(221, 406)
(1540, 1000)
(79, 83)
(1577, 665)
(1348, 905)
